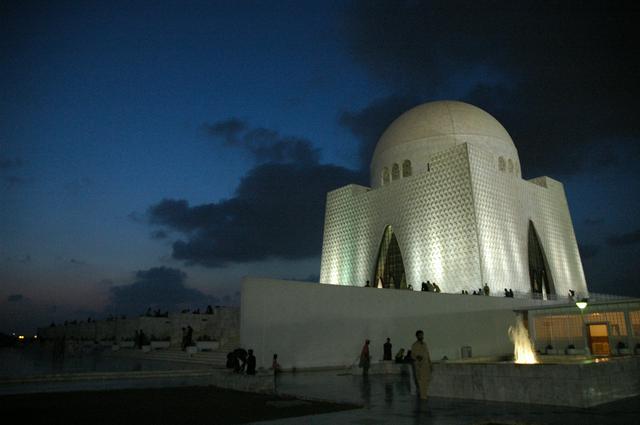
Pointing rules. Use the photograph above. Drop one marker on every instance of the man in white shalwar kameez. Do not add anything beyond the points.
(422, 366)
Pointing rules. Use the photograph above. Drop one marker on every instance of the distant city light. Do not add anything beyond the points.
(20, 336)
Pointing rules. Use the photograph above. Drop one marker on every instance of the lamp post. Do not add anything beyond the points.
(582, 304)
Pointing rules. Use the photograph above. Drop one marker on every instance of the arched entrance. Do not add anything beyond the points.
(389, 266)
(539, 274)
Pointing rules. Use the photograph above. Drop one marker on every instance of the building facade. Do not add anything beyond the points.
(447, 204)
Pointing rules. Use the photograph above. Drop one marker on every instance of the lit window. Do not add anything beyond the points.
(406, 168)
(395, 172)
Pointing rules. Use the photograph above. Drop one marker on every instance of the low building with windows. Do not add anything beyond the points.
(604, 326)
(448, 204)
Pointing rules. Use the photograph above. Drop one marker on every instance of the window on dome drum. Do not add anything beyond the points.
(395, 172)
(406, 168)
(385, 176)
(501, 164)
(389, 272)
(510, 166)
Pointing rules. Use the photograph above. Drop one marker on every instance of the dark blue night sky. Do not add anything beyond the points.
(153, 153)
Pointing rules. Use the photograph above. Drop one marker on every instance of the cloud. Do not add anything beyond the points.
(624, 239)
(265, 145)
(159, 234)
(15, 298)
(277, 212)
(588, 251)
(560, 78)
(159, 288)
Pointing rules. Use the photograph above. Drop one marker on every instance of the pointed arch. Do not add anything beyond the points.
(406, 168)
(385, 176)
(390, 266)
(539, 273)
(501, 164)
(395, 172)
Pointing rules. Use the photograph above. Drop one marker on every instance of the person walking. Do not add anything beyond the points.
(365, 358)
(422, 367)
(251, 363)
(387, 350)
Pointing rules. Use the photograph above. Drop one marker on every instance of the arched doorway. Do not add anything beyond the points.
(539, 274)
(389, 266)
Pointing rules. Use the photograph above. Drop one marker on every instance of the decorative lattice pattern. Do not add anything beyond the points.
(460, 223)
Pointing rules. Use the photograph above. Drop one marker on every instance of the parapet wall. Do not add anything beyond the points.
(314, 325)
(221, 325)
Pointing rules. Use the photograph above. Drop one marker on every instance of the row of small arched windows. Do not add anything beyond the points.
(507, 165)
(395, 172)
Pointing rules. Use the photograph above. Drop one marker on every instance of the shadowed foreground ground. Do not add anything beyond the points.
(171, 406)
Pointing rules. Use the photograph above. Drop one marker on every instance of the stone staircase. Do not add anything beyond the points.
(216, 359)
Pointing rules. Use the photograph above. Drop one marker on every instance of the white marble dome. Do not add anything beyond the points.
(407, 144)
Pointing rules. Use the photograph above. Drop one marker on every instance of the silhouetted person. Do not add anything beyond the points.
(231, 361)
(143, 338)
(387, 350)
(209, 309)
(510, 293)
(365, 358)
(506, 293)
(183, 343)
(436, 288)
(424, 287)
(241, 356)
(275, 365)
(189, 340)
(400, 356)
(367, 285)
(408, 358)
(422, 367)
(251, 363)
(486, 289)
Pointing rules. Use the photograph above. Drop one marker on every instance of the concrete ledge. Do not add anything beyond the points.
(583, 384)
(259, 383)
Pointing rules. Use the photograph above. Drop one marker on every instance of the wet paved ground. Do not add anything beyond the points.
(391, 399)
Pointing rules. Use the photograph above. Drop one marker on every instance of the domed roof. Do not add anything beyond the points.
(455, 122)
(438, 126)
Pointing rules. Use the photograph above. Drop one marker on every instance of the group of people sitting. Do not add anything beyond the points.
(430, 287)
(156, 313)
(242, 361)
(480, 291)
(508, 293)
(209, 310)
(401, 357)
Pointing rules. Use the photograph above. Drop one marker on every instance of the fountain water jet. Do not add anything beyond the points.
(523, 352)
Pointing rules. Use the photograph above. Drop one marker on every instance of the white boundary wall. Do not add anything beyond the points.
(317, 325)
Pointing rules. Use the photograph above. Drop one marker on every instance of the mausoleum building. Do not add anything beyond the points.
(448, 204)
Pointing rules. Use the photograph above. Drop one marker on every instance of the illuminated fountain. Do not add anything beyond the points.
(523, 352)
